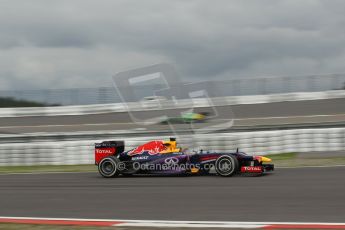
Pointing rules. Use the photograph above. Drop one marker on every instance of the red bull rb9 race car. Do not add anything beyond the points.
(165, 158)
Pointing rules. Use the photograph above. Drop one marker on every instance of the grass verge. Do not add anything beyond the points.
(279, 160)
(48, 168)
(294, 160)
(282, 156)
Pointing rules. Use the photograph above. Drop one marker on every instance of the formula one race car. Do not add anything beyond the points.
(189, 117)
(164, 157)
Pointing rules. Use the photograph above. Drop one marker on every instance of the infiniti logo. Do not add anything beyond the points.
(171, 161)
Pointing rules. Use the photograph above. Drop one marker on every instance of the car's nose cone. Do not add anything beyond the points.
(266, 159)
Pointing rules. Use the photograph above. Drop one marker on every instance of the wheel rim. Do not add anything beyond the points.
(108, 167)
(225, 166)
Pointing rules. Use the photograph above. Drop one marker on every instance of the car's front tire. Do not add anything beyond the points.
(226, 165)
(108, 167)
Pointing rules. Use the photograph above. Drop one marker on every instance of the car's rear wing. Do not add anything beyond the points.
(108, 148)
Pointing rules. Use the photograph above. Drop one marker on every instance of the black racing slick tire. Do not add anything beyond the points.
(108, 167)
(226, 165)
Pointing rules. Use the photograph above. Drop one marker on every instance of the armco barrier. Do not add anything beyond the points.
(55, 152)
(197, 102)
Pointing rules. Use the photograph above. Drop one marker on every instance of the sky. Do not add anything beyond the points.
(83, 43)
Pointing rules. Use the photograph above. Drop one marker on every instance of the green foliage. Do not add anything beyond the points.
(8, 102)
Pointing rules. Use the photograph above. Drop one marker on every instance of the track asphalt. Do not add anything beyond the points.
(279, 113)
(298, 195)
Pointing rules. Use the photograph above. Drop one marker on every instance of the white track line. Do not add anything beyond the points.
(163, 223)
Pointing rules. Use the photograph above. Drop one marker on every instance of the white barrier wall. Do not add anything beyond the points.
(196, 102)
(263, 142)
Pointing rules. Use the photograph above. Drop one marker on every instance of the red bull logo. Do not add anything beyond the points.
(152, 147)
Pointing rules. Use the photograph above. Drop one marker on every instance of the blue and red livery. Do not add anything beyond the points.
(164, 157)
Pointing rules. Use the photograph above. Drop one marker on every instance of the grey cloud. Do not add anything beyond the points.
(82, 43)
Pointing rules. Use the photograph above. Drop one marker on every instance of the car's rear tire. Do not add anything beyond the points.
(226, 165)
(108, 167)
